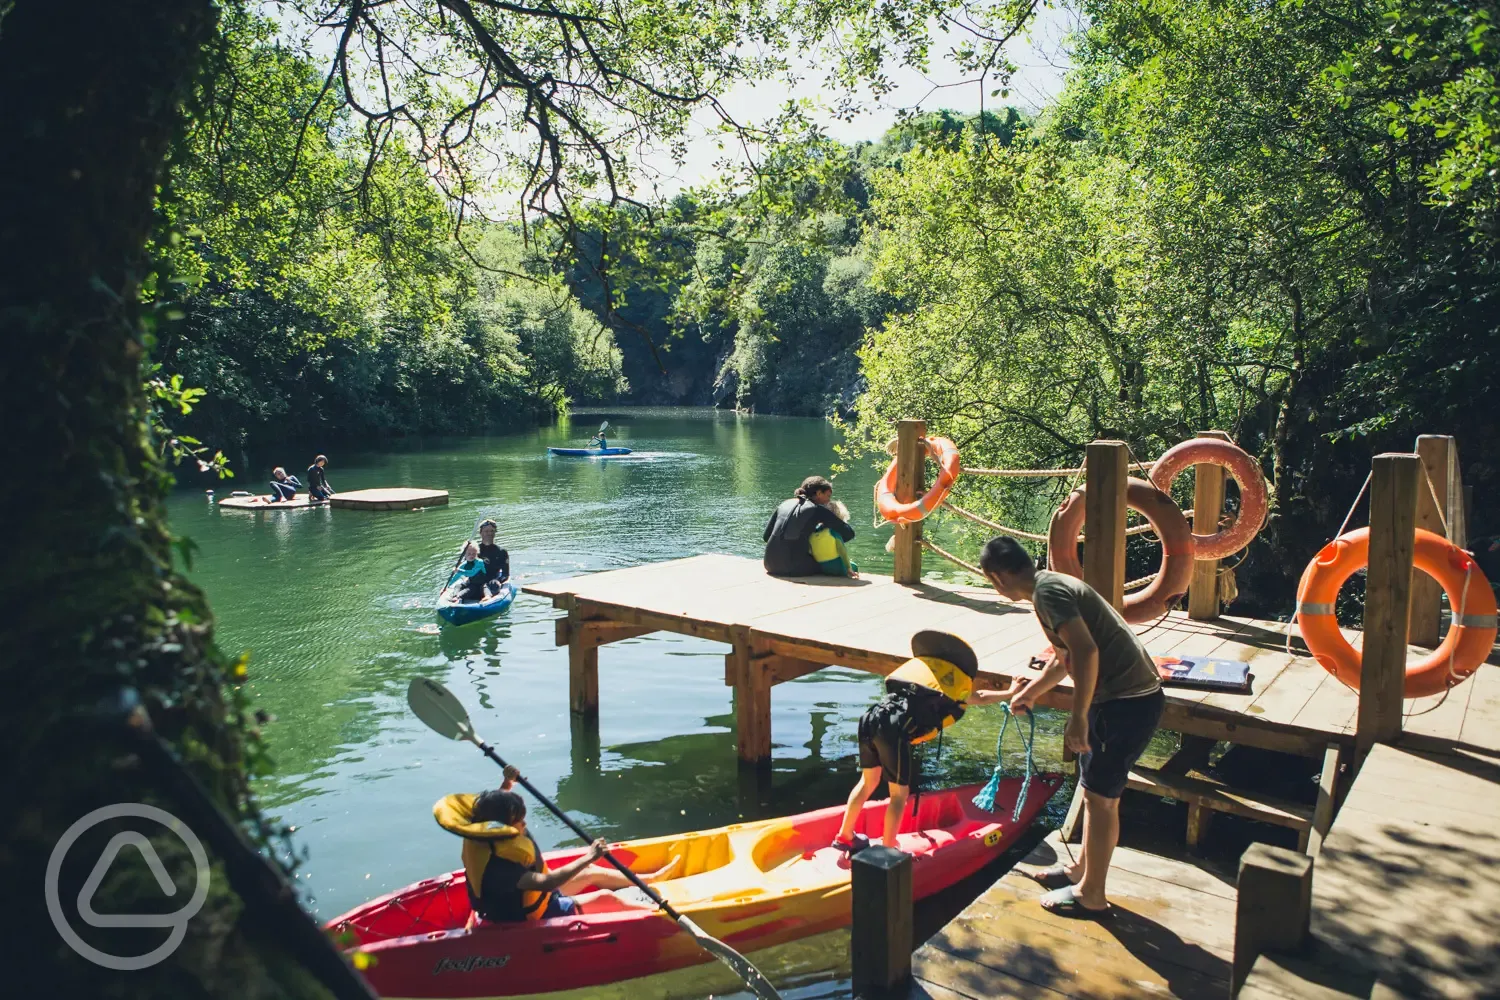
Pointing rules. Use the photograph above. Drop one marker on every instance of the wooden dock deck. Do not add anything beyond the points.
(779, 629)
(390, 498)
(1172, 935)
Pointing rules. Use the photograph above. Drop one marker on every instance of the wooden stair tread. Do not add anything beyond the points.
(1221, 798)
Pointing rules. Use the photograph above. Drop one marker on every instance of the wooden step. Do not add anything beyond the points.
(1205, 794)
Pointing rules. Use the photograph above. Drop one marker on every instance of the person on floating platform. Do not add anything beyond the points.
(283, 486)
(789, 532)
(468, 577)
(1117, 703)
(317, 480)
(924, 696)
(508, 879)
(496, 559)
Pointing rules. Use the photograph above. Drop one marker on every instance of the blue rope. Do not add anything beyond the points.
(986, 798)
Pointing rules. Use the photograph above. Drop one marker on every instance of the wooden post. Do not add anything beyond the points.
(583, 669)
(1106, 466)
(1382, 679)
(1208, 504)
(1272, 907)
(911, 470)
(881, 938)
(1437, 453)
(752, 697)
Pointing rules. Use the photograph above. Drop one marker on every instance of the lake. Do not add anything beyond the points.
(336, 609)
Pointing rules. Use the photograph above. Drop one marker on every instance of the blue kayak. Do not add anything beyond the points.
(462, 613)
(588, 452)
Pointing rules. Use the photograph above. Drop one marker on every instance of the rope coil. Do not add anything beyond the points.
(986, 798)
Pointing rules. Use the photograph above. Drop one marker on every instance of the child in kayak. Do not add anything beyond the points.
(923, 696)
(468, 576)
(504, 862)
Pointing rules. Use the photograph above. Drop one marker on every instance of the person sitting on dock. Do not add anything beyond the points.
(1117, 703)
(317, 480)
(788, 534)
(508, 879)
(283, 486)
(496, 559)
(923, 696)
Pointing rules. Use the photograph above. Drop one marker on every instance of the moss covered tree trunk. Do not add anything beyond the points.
(90, 96)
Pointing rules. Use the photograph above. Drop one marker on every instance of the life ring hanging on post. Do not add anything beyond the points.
(1245, 470)
(1467, 644)
(1171, 527)
(945, 454)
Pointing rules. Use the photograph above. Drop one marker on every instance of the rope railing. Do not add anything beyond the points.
(1043, 473)
(953, 559)
(1031, 536)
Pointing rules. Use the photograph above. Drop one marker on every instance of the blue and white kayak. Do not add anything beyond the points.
(588, 452)
(463, 612)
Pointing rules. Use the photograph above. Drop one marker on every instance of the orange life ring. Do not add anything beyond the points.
(1467, 644)
(1170, 526)
(1245, 470)
(945, 454)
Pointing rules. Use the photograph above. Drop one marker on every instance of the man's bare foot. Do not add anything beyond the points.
(664, 872)
(1058, 876)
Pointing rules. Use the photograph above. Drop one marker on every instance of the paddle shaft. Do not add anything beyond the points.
(635, 879)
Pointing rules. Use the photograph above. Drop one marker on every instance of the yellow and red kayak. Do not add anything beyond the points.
(753, 885)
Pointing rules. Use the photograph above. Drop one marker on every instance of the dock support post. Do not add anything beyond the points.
(911, 468)
(583, 669)
(752, 697)
(1382, 679)
(1437, 453)
(1106, 466)
(1208, 504)
(1273, 906)
(881, 938)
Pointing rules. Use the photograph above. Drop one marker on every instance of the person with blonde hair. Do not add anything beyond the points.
(789, 532)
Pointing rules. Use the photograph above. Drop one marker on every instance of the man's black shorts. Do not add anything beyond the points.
(1119, 732)
(883, 744)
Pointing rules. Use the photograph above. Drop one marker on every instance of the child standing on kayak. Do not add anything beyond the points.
(923, 696)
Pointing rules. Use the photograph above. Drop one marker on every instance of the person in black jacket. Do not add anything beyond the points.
(790, 529)
(317, 480)
(496, 559)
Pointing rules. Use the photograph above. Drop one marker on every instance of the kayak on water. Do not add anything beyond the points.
(588, 452)
(752, 885)
(463, 612)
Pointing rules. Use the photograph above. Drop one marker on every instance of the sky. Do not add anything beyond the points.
(1040, 61)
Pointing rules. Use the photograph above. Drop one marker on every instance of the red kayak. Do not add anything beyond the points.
(753, 885)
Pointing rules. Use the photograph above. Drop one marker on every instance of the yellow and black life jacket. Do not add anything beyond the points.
(935, 691)
(483, 841)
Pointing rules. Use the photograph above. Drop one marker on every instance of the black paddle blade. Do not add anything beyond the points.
(439, 710)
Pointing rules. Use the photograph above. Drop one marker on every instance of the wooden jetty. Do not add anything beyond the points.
(1413, 845)
(392, 498)
(264, 503)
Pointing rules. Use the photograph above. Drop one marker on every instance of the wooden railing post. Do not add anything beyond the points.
(911, 469)
(752, 697)
(1273, 906)
(1382, 680)
(583, 668)
(1208, 504)
(1433, 513)
(881, 938)
(1106, 466)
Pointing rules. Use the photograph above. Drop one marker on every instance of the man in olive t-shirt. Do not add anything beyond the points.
(1117, 703)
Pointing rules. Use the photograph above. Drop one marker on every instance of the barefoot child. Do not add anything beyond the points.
(926, 694)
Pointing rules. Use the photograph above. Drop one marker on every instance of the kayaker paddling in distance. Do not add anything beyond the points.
(789, 532)
(1117, 703)
(508, 879)
(924, 696)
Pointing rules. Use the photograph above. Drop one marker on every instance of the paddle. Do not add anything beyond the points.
(436, 706)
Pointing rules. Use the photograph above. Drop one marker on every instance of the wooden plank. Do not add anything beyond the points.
(1439, 716)
(1481, 727)
(1220, 798)
(1106, 465)
(1393, 512)
(752, 698)
(264, 503)
(1208, 504)
(583, 670)
(1274, 905)
(1328, 778)
(911, 472)
(1434, 487)
(395, 498)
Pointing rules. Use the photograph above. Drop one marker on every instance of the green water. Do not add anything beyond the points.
(336, 609)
